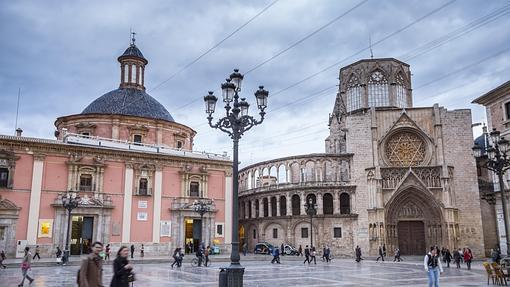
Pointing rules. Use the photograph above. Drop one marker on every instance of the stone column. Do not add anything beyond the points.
(336, 202)
(303, 202)
(320, 204)
(289, 204)
(269, 207)
(278, 206)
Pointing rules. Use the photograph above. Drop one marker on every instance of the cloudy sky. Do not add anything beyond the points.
(62, 54)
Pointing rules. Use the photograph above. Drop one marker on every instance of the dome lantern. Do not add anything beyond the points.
(132, 67)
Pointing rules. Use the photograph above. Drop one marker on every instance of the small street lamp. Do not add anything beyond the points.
(70, 201)
(235, 123)
(497, 151)
(201, 207)
(311, 210)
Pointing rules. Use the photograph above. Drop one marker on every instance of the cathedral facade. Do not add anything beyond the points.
(132, 166)
(392, 174)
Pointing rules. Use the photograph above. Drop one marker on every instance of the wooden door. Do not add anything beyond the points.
(411, 237)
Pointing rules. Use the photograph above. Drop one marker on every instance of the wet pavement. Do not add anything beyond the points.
(340, 272)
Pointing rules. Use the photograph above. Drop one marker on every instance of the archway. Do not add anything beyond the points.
(413, 221)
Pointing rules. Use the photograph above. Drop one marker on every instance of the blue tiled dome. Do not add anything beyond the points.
(481, 141)
(133, 51)
(129, 102)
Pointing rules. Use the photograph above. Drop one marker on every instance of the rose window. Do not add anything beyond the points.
(405, 149)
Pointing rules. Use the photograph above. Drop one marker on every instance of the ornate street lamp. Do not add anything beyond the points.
(235, 123)
(201, 207)
(70, 201)
(497, 150)
(311, 210)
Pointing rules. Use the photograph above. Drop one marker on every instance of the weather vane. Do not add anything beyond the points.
(132, 37)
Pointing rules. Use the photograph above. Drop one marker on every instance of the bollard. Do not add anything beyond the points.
(223, 278)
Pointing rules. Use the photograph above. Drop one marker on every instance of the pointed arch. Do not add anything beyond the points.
(354, 93)
(378, 89)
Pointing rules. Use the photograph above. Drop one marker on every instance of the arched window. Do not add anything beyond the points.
(256, 182)
(273, 206)
(266, 207)
(327, 203)
(345, 203)
(283, 205)
(257, 208)
(353, 94)
(250, 215)
(250, 176)
(282, 174)
(400, 91)
(86, 182)
(296, 205)
(378, 95)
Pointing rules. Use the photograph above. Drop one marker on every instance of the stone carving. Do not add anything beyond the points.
(410, 210)
(405, 149)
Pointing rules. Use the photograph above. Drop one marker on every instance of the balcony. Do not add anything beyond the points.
(144, 191)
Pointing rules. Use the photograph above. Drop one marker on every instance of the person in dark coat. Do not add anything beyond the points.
(122, 269)
(358, 253)
(132, 250)
(381, 254)
(447, 257)
(282, 249)
(307, 255)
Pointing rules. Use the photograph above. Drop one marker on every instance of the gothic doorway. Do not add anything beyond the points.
(411, 237)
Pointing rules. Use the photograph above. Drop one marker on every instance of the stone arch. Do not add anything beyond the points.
(294, 172)
(282, 173)
(250, 180)
(283, 205)
(309, 171)
(327, 203)
(269, 233)
(297, 233)
(272, 206)
(414, 220)
(296, 204)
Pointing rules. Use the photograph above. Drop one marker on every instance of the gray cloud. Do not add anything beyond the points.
(63, 56)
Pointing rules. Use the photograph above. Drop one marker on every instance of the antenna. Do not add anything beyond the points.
(17, 112)
(370, 46)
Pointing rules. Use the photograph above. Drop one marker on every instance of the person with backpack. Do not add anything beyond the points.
(25, 266)
(90, 273)
(276, 256)
(122, 269)
(432, 264)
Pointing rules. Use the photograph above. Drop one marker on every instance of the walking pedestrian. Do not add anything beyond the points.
(142, 250)
(313, 255)
(58, 255)
(107, 252)
(381, 254)
(300, 250)
(37, 251)
(282, 249)
(447, 257)
(91, 270)
(199, 253)
(132, 250)
(307, 255)
(276, 256)
(384, 249)
(468, 257)
(25, 266)
(245, 249)
(206, 255)
(358, 253)
(327, 254)
(397, 255)
(122, 269)
(456, 257)
(433, 267)
(2, 258)
(177, 257)
(494, 255)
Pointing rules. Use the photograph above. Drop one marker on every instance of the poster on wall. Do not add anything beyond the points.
(45, 228)
(141, 216)
(166, 227)
(142, 204)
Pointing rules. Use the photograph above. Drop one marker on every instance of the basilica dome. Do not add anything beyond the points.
(129, 102)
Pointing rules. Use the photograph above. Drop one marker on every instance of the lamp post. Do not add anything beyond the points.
(311, 211)
(201, 207)
(235, 123)
(497, 150)
(70, 200)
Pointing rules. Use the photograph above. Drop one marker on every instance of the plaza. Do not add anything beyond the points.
(340, 272)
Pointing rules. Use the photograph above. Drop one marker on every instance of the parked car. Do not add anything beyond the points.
(263, 248)
(289, 250)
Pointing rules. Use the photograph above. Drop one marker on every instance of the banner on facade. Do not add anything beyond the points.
(45, 228)
(166, 228)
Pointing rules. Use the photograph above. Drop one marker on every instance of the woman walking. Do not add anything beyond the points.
(468, 256)
(122, 269)
(25, 266)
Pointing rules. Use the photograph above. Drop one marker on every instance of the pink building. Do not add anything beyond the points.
(133, 167)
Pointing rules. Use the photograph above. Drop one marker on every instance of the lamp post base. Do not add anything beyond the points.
(231, 276)
(65, 257)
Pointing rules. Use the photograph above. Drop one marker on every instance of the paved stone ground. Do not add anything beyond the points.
(340, 272)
